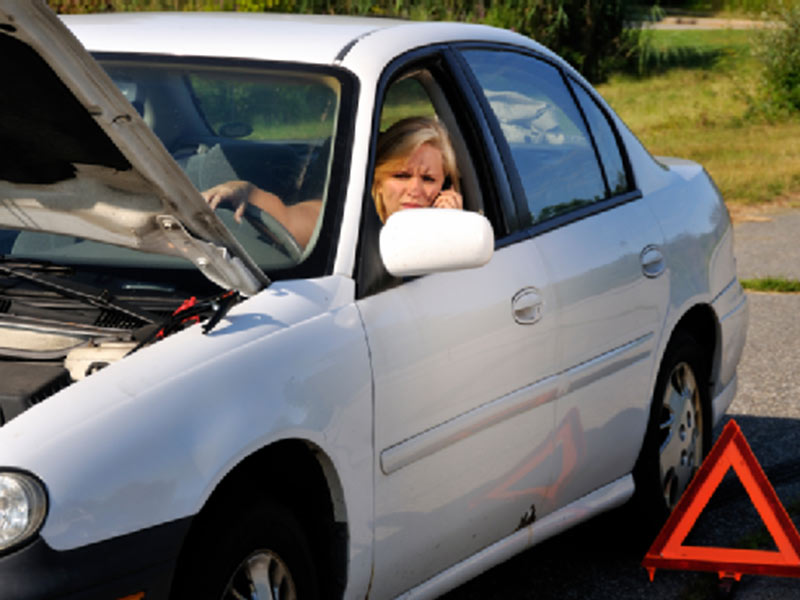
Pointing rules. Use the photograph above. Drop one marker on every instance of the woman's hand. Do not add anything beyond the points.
(449, 199)
(235, 193)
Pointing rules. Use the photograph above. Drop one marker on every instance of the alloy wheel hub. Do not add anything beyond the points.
(262, 576)
(681, 448)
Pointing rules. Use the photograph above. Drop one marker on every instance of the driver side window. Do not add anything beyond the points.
(415, 95)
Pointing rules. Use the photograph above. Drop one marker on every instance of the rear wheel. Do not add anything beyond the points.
(680, 432)
(678, 435)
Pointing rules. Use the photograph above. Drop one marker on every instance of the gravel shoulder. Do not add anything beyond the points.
(767, 244)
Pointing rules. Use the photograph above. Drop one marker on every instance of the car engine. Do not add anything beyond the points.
(55, 331)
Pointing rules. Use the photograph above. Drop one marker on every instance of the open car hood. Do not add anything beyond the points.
(77, 159)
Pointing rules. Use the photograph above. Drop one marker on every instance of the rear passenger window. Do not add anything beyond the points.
(550, 146)
(607, 146)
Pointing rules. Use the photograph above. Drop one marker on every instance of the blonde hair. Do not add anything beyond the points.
(400, 141)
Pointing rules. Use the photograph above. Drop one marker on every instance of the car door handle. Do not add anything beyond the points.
(527, 305)
(653, 263)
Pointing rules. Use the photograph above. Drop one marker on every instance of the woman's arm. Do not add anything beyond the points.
(299, 219)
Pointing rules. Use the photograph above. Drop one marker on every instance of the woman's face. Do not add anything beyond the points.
(412, 182)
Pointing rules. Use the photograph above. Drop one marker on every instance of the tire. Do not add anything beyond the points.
(679, 430)
(261, 553)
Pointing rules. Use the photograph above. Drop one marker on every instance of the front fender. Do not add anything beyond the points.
(146, 440)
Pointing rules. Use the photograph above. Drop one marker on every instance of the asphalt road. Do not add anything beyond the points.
(601, 559)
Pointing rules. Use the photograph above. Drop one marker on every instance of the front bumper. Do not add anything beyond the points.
(124, 567)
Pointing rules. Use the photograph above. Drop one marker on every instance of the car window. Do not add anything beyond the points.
(417, 92)
(606, 140)
(272, 128)
(545, 132)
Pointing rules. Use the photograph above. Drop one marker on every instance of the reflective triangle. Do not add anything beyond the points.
(730, 452)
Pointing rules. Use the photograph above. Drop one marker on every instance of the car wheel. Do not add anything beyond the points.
(261, 554)
(678, 434)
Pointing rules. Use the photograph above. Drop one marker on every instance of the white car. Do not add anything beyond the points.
(194, 407)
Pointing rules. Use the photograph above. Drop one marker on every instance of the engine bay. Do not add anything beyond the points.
(56, 330)
(39, 359)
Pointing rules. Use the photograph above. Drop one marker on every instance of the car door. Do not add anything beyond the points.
(601, 248)
(464, 380)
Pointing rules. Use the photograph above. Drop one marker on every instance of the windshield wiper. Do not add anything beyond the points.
(33, 271)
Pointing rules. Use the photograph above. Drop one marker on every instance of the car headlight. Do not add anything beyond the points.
(23, 506)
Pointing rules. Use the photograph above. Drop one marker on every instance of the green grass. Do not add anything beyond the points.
(730, 42)
(771, 284)
(697, 103)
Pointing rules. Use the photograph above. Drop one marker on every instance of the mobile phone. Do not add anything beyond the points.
(447, 184)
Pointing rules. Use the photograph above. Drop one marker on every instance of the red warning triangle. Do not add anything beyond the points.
(668, 551)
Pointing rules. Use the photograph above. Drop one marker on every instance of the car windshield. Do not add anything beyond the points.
(272, 126)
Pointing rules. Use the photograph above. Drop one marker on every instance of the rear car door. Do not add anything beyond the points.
(601, 247)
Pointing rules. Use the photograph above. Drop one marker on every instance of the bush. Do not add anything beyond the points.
(777, 46)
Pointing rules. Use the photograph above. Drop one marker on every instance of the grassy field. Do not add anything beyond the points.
(697, 103)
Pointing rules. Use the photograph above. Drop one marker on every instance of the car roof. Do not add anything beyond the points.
(320, 39)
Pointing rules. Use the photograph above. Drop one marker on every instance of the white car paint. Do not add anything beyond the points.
(418, 243)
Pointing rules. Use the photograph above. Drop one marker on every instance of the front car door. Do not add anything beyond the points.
(464, 382)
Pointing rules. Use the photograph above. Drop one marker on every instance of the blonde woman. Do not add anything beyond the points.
(415, 167)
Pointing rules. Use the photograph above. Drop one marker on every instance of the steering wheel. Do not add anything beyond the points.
(269, 227)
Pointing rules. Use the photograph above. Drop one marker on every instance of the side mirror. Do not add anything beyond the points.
(427, 240)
